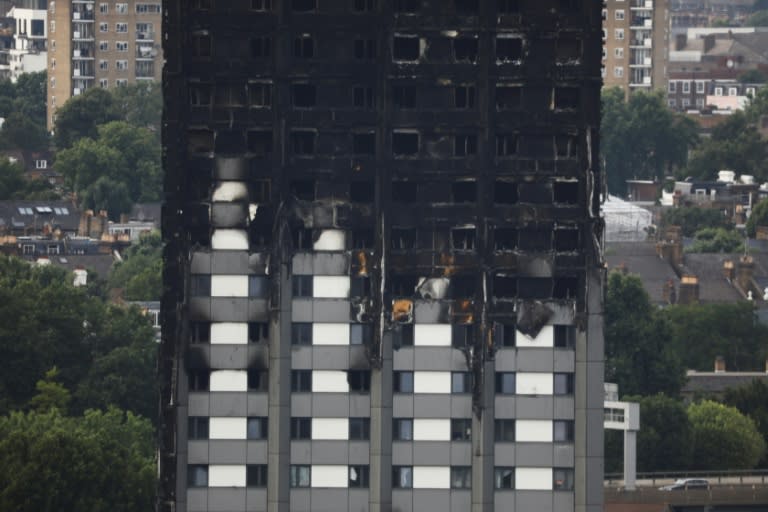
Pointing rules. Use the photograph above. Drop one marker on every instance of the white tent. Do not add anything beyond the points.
(625, 222)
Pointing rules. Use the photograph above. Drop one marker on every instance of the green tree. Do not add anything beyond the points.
(50, 394)
(45, 322)
(141, 153)
(140, 104)
(139, 275)
(641, 138)
(752, 76)
(638, 354)
(716, 240)
(80, 116)
(21, 132)
(723, 438)
(29, 93)
(698, 333)
(664, 440)
(100, 462)
(13, 184)
(735, 144)
(692, 219)
(751, 399)
(758, 217)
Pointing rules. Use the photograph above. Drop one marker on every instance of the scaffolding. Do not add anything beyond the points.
(625, 222)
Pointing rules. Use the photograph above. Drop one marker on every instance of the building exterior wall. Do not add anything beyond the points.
(383, 248)
(102, 44)
(636, 36)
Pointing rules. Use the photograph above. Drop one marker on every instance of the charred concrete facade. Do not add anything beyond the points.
(383, 274)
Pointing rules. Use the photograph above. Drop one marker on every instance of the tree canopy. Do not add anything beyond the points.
(99, 462)
(638, 354)
(13, 185)
(139, 275)
(46, 322)
(752, 400)
(691, 219)
(716, 240)
(758, 217)
(641, 138)
(723, 438)
(664, 440)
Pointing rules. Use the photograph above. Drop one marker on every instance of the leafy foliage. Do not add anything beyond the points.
(45, 322)
(752, 400)
(13, 185)
(716, 240)
(758, 217)
(121, 166)
(638, 354)
(100, 462)
(698, 333)
(140, 274)
(641, 138)
(692, 219)
(664, 440)
(723, 438)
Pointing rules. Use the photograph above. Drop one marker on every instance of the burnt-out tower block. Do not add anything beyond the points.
(383, 269)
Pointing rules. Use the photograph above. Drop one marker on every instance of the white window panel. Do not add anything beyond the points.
(438, 335)
(533, 479)
(432, 382)
(331, 287)
(545, 338)
(229, 239)
(230, 191)
(534, 383)
(533, 431)
(330, 334)
(226, 476)
(227, 428)
(330, 240)
(330, 476)
(235, 333)
(330, 428)
(431, 477)
(229, 380)
(329, 381)
(431, 430)
(229, 286)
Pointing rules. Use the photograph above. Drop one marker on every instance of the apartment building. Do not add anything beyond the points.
(383, 276)
(100, 44)
(635, 35)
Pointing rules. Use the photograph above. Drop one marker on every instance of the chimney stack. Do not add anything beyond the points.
(744, 273)
(689, 290)
(729, 270)
(719, 364)
(680, 41)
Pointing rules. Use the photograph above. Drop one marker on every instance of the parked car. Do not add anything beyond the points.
(685, 484)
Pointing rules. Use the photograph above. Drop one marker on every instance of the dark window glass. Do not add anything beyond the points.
(504, 478)
(301, 428)
(461, 477)
(200, 285)
(405, 143)
(506, 145)
(359, 477)
(565, 336)
(303, 5)
(197, 427)
(461, 336)
(304, 95)
(365, 6)
(405, 48)
(463, 239)
(360, 334)
(464, 96)
(359, 429)
(199, 380)
(563, 384)
(362, 97)
(403, 335)
(301, 381)
(258, 380)
(465, 145)
(258, 286)
(465, 49)
(261, 47)
(365, 49)
(261, 5)
(504, 431)
(466, 6)
(461, 429)
(508, 6)
(300, 475)
(509, 49)
(302, 286)
(508, 97)
(258, 332)
(258, 427)
(402, 429)
(359, 380)
(505, 383)
(403, 382)
(301, 334)
(562, 430)
(200, 332)
(562, 479)
(407, 6)
(461, 382)
(504, 239)
(505, 192)
(505, 335)
(256, 475)
(402, 477)
(304, 47)
(197, 475)
(302, 238)
(364, 143)
(303, 142)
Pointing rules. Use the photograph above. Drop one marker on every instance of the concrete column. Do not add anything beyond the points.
(630, 459)
(483, 446)
(380, 491)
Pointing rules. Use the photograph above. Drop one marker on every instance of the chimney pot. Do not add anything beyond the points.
(719, 364)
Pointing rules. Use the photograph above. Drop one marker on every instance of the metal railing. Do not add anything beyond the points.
(729, 477)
